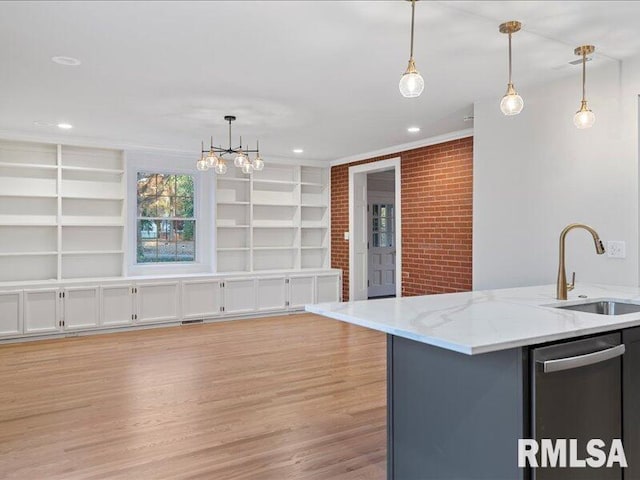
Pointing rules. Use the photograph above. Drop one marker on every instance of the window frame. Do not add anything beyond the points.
(193, 218)
(204, 212)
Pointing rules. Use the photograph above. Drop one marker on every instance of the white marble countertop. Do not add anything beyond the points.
(486, 321)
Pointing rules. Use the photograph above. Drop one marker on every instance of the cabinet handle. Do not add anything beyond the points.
(582, 360)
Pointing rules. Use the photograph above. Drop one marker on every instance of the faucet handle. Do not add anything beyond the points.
(572, 285)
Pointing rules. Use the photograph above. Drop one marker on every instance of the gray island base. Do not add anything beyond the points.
(470, 374)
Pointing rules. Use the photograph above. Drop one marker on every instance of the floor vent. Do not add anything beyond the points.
(191, 322)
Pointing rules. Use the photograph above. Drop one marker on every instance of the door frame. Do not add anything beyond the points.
(364, 169)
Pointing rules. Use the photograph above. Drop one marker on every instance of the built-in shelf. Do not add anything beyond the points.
(26, 254)
(109, 171)
(28, 166)
(94, 252)
(274, 204)
(275, 182)
(55, 200)
(288, 216)
(28, 220)
(86, 196)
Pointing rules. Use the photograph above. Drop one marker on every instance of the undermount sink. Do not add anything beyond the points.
(604, 307)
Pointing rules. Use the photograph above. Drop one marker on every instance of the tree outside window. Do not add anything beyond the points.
(166, 224)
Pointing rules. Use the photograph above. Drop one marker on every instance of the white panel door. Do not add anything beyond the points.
(359, 236)
(271, 293)
(382, 249)
(117, 305)
(42, 310)
(239, 296)
(10, 313)
(81, 308)
(201, 299)
(301, 291)
(158, 302)
(328, 288)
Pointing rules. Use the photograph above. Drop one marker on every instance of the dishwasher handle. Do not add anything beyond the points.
(568, 363)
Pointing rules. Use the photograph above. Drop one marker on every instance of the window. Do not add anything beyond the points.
(382, 225)
(166, 225)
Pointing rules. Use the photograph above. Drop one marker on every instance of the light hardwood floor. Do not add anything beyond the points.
(289, 397)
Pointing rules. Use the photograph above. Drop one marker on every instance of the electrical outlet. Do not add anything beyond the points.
(346, 235)
(616, 249)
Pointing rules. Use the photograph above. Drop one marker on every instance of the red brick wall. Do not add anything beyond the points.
(437, 188)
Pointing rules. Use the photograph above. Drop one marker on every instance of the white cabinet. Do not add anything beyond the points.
(81, 308)
(271, 293)
(301, 291)
(158, 302)
(328, 288)
(117, 305)
(239, 296)
(42, 310)
(201, 299)
(10, 313)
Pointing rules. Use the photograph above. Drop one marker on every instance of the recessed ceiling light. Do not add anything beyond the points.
(413, 129)
(66, 61)
(298, 150)
(41, 123)
(65, 126)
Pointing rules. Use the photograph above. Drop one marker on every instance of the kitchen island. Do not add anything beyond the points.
(462, 385)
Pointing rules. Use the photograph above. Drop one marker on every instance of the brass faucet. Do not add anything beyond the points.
(563, 287)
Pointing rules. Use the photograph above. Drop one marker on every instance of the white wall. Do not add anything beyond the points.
(535, 173)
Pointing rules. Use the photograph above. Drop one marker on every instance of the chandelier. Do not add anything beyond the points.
(212, 158)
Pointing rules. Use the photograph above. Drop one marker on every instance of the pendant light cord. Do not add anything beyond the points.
(413, 13)
(509, 58)
(584, 75)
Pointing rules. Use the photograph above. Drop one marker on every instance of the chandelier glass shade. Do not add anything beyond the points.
(213, 157)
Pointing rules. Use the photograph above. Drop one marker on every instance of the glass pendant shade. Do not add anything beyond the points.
(239, 160)
(247, 168)
(258, 163)
(411, 83)
(584, 118)
(212, 159)
(511, 103)
(202, 165)
(221, 167)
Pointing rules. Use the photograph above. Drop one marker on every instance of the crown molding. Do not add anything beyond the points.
(403, 147)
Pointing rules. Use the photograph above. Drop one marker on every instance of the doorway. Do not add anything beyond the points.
(381, 234)
(375, 250)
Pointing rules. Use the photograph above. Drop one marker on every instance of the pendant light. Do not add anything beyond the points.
(584, 118)
(511, 103)
(411, 83)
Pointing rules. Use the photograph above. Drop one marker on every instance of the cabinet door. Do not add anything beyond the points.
(117, 305)
(301, 291)
(271, 293)
(239, 296)
(42, 310)
(630, 401)
(157, 302)
(201, 299)
(10, 313)
(81, 308)
(328, 288)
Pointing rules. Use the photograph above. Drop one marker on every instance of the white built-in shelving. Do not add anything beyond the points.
(61, 212)
(276, 219)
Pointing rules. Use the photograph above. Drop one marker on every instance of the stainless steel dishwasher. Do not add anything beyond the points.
(576, 393)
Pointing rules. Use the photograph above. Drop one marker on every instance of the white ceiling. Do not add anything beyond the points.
(317, 75)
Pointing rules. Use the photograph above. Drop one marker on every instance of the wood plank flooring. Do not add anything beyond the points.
(288, 397)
